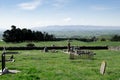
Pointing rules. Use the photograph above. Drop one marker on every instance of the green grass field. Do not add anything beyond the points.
(64, 43)
(37, 65)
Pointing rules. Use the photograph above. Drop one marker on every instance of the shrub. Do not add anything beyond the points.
(30, 45)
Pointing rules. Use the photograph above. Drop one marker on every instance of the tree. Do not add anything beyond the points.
(115, 38)
(20, 35)
(13, 27)
(6, 36)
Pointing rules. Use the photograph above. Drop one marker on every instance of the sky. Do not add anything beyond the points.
(34, 13)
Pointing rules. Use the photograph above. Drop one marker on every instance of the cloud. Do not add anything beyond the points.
(100, 8)
(60, 3)
(67, 19)
(30, 5)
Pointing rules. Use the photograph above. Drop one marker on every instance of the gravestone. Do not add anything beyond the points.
(85, 54)
(103, 68)
(72, 49)
(72, 55)
(11, 57)
(45, 49)
(5, 70)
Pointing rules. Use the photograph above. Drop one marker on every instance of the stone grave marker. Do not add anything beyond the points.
(45, 49)
(72, 56)
(103, 68)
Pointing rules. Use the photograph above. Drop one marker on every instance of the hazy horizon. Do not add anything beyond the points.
(73, 26)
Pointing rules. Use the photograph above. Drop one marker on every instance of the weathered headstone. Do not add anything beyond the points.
(103, 68)
(72, 56)
(5, 70)
(12, 57)
(45, 49)
(52, 45)
(72, 49)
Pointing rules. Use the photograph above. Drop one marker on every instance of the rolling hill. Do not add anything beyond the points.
(79, 30)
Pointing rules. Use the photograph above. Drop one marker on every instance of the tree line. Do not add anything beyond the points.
(21, 35)
(115, 38)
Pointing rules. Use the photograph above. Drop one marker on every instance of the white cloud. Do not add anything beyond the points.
(100, 8)
(60, 3)
(30, 5)
(67, 19)
(36, 3)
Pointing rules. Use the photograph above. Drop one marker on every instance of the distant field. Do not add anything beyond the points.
(64, 43)
(83, 33)
(37, 65)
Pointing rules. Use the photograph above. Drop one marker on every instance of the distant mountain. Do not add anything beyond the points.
(79, 30)
(75, 28)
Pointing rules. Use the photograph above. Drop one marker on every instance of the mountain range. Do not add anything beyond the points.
(75, 28)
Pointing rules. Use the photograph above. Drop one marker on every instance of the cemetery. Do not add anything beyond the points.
(59, 39)
(52, 62)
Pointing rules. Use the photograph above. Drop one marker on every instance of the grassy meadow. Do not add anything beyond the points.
(63, 43)
(37, 65)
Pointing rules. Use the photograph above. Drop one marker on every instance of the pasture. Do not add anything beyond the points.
(63, 43)
(38, 65)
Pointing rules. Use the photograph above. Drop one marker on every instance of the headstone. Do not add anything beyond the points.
(53, 45)
(11, 57)
(13, 60)
(45, 49)
(54, 51)
(103, 68)
(72, 49)
(72, 56)
(5, 70)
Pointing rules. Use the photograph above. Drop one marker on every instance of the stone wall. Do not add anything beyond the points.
(116, 48)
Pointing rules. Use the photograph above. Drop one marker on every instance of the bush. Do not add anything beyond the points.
(115, 38)
(30, 45)
(103, 39)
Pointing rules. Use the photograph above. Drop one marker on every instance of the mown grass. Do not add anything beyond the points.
(63, 43)
(37, 65)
